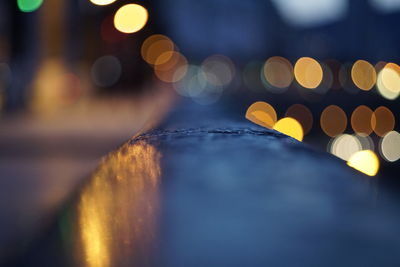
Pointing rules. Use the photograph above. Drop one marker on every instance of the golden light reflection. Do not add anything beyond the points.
(117, 210)
(302, 114)
(383, 121)
(365, 161)
(130, 18)
(390, 146)
(262, 113)
(308, 72)
(361, 120)
(363, 75)
(333, 120)
(278, 72)
(291, 127)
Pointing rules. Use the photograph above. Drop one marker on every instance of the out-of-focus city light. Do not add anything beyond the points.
(219, 70)
(365, 161)
(173, 70)
(195, 85)
(361, 120)
(388, 82)
(386, 5)
(193, 82)
(130, 18)
(308, 72)
(54, 89)
(333, 120)
(29, 5)
(102, 2)
(363, 75)
(390, 146)
(278, 73)
(262, 113)
(290, 127)
(106, 71)
(383, 121)
(344, 146)
(311, 12)
(302, 114)
(158, 49)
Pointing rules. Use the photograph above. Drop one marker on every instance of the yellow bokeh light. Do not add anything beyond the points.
(365, 161)
(390, 146)
(102, 2)
(361, 120)
(291, 127)
(363, 75)
(333, 120)
(388, 82)
(382, 121)
(308, 72)
(130, 18)
(262, 113)
(278, 72)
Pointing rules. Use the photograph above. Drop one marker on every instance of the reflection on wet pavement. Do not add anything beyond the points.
(117, 210)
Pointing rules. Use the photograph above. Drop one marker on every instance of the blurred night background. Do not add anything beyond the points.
(79, 77)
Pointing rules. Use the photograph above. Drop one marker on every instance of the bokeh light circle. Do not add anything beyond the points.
(365, 161)
(130, 18)
(383, 121)
(363, 75)
(290, 127)
(361, 120)
(155, 46)
(262, 113)
(102, 2)
(106, 71)
(344, 146)
(172, 70)
(390, 146)
(278, 72)
(333, 120)
(388, 82)
(219, 70)
(29, 5)
(308, 72)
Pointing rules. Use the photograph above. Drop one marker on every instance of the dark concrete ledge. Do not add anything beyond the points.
(235, 195)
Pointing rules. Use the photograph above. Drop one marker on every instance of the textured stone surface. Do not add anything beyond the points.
(225, 194)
